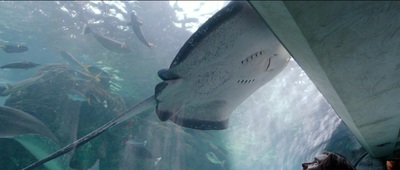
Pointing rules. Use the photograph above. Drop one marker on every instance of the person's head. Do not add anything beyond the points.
(328, 161)
(393, 164)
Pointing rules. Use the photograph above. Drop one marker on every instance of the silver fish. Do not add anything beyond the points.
(214, 159)
(12, 88)
(135, 23)
(110, 44)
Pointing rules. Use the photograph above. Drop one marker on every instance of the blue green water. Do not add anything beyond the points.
(283, 124)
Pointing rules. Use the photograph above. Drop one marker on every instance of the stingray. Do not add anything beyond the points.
(227, 59)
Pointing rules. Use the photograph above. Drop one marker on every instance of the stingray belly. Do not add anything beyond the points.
(225, 61)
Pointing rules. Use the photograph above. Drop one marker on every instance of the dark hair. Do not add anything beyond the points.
(335, 161)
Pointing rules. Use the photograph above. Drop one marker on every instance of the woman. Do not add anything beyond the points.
(328, 161)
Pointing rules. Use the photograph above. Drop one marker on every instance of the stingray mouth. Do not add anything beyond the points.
(164, 115)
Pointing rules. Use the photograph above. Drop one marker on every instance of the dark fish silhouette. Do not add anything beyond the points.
(20, 65)
(177, 8)
(110, 44)
(135, 23)
(14, 122)
(186, 20)
(141, 152)
(2, 89)
(14, 48)
(137, 150)
(226, 60)
(31, 133)
(98, 72)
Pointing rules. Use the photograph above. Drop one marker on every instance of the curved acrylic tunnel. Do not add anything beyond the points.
(346, 48)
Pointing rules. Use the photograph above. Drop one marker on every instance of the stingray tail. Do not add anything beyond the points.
(139, 108)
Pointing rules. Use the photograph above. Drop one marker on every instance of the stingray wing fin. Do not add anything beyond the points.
(226, 60)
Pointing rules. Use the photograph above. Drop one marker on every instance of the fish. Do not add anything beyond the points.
(40, 146)
(177, 8)
(72, 60)
(137, 149)
(108, 43)
(14, 48)
(14, 122)
(31, 133)
(141, 151)
(200, 6)
(216, 69)
(76, 95)
(92, 72)
(214, 159)
(96, 165)
(20, 65)
(98, 72)
(2, 88)
(102, 76)
(12, 88)
(186, 20)
(135, 24)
